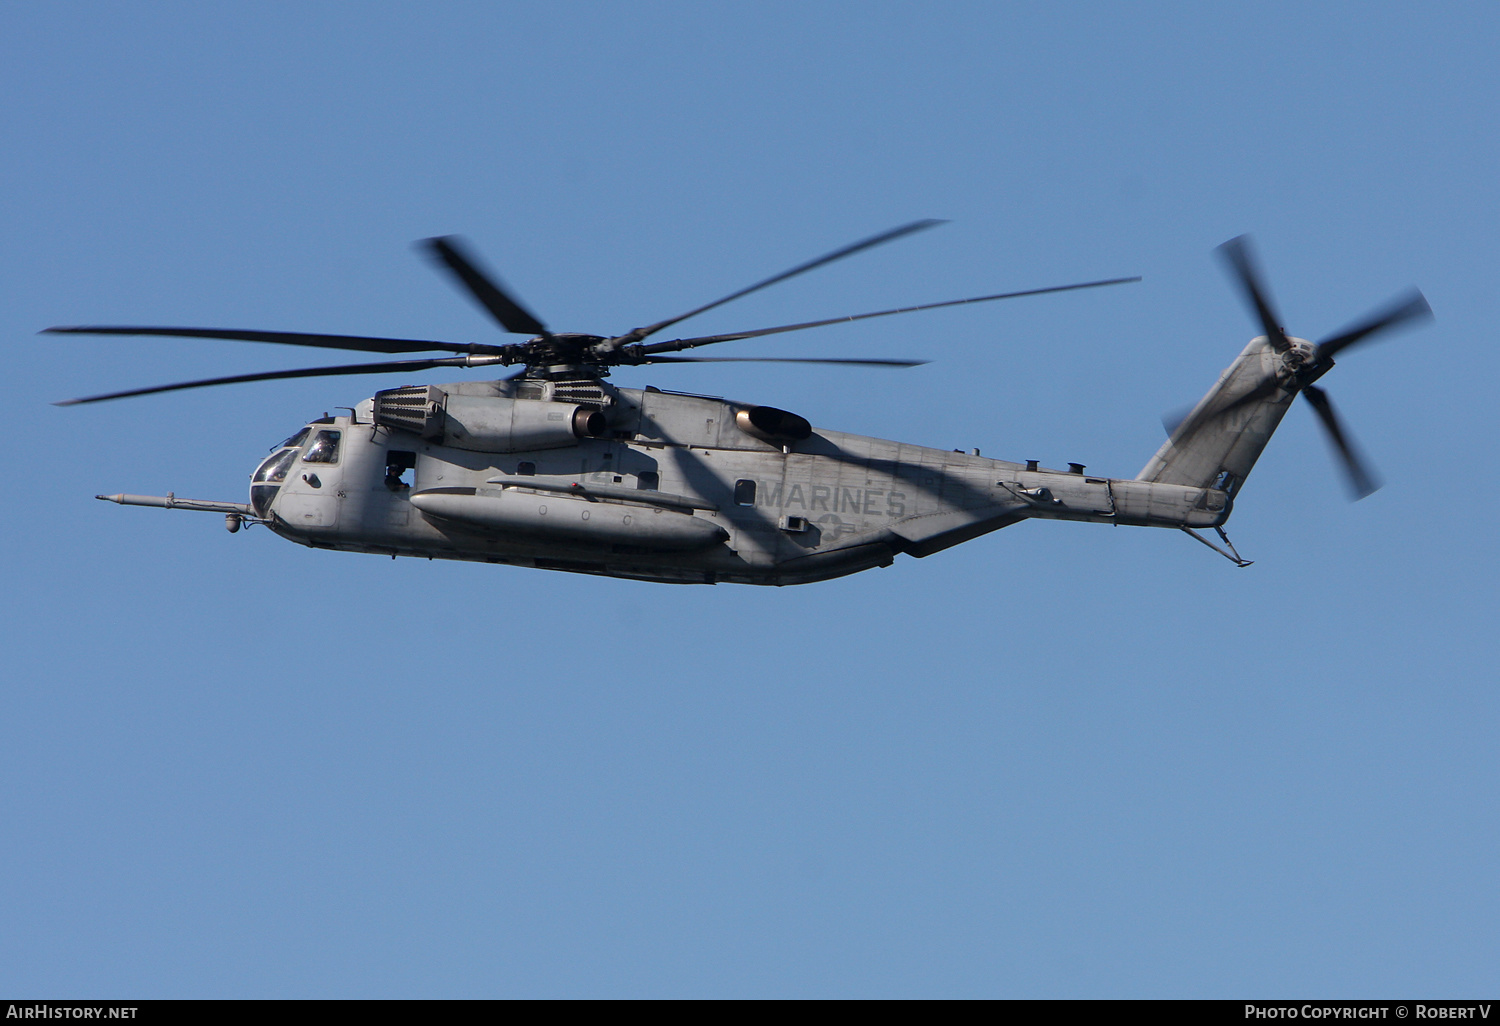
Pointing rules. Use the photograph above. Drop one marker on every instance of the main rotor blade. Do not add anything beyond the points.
(690, 343)
(1361, 481)
(306, 372)
(1237, 253)
(638, 334)
(781, 359)
(364, 343)
(1406, 307)
(448, 250)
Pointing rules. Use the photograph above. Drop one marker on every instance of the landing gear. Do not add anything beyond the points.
(1228, 553)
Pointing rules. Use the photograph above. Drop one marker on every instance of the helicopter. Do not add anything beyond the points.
(554, 467)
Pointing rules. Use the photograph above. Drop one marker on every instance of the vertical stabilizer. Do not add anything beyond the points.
(1218, 443)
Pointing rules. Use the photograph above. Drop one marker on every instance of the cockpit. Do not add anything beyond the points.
(321, 445)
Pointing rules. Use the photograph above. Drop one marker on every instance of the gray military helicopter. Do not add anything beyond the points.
(556, 468)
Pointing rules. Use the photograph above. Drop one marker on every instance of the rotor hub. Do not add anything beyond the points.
(1299, 358)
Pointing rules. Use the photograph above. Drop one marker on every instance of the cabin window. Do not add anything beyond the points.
(526, 469)
(649, 481)
(397, 463)
(325, 448)
(744, 493)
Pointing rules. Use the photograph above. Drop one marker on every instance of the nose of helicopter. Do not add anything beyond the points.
(271, 472)
(316, 448)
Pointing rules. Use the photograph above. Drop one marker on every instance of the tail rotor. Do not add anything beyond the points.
(1302, 364)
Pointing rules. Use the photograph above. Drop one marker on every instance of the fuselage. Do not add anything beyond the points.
(664, 486)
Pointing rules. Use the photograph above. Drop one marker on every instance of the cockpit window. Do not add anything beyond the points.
(324, 449)
(275, 467)
(295, 442)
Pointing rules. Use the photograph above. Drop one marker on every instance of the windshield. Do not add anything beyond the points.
(275, 467)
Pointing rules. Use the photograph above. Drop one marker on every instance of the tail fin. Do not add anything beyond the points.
(1218, 443)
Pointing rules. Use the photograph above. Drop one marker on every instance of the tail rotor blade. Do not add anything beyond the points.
(1236, 253)
(1181, 424)
(1361, 480)
(1173, 418)
(448, 251)
(1407, 307)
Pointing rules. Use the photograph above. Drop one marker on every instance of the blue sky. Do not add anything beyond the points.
(1061, 760)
